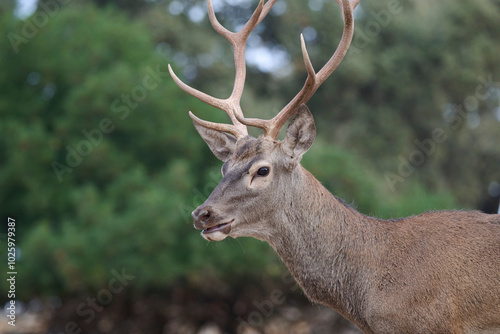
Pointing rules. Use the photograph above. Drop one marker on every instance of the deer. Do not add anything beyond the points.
(436, 272)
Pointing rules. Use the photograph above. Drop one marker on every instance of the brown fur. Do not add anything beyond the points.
(438, 272)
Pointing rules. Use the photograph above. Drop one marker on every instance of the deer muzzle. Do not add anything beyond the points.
(213, 228)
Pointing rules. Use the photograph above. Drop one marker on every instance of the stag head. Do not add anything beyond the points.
(258, 173)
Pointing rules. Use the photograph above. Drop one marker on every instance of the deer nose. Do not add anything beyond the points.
(201, 217)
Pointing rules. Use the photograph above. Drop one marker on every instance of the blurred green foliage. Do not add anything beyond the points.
(122, 201)
(101, 166)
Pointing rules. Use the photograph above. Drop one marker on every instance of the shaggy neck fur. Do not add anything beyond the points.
(328, 247)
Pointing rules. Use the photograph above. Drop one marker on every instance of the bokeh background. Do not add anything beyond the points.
(101, 166)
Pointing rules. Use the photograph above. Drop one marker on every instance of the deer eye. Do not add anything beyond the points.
(263, 171)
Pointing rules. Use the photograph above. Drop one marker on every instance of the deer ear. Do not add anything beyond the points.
(300, 134)
(220, 143)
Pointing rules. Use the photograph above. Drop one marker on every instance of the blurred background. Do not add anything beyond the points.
(100, 165)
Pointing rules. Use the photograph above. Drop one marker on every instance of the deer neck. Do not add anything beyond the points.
(327, 246)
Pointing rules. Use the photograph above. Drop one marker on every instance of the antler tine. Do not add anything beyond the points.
(232, 129)
(314, 80)
(214, 102)
(237, 129)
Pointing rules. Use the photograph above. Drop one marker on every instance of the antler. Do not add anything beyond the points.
(238, 40)
(230, 105)
(314, 80)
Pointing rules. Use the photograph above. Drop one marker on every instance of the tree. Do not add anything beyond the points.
(103, 161)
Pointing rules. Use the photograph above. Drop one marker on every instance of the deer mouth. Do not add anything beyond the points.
(223, 228)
